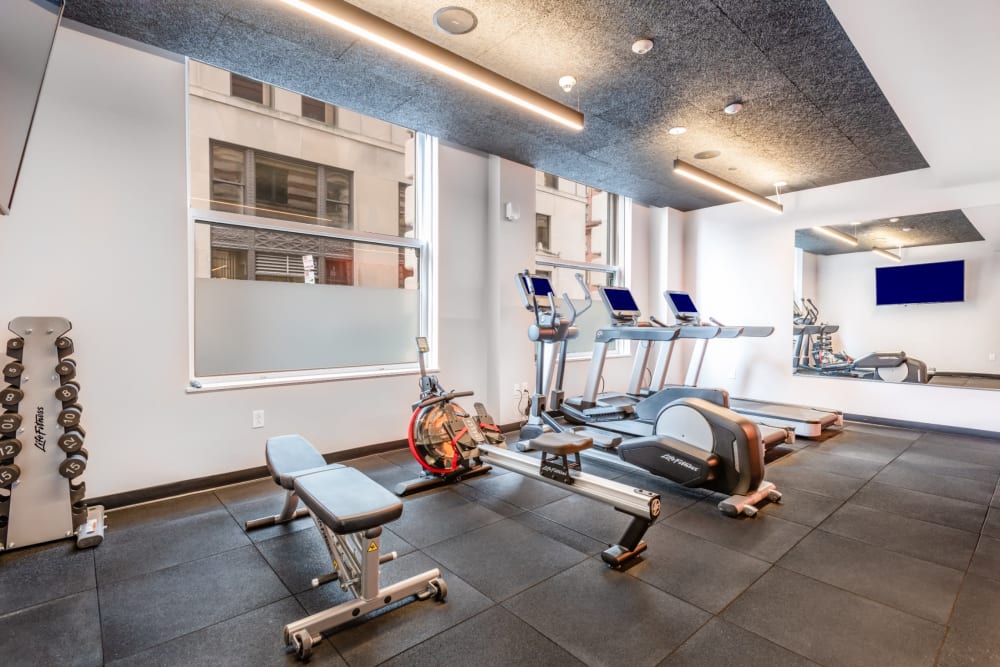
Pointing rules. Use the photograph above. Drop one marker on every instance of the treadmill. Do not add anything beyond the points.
(808, 422)
(642, 406)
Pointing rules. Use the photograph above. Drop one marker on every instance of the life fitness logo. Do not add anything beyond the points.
(40, 427)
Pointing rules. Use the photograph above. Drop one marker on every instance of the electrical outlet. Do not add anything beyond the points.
(992, 356)
(524, 386)
(517, 390)
(257, 419)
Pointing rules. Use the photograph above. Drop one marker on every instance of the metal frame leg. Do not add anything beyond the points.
(288, 513)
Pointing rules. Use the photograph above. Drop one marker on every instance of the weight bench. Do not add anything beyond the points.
(349, 509)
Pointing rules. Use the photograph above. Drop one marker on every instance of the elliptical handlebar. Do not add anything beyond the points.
(589, 300)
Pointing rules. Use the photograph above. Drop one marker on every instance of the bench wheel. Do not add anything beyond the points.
(440, 589)
(303, 643)
(774, 496)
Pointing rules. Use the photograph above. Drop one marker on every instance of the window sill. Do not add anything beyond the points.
(229, 383)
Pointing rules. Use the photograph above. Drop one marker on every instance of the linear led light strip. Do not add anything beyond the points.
(836, 234)
(888, 255)
(367, 26)
(695, 174)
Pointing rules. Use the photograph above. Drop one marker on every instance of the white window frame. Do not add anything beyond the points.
(621, 272)
(424, 240)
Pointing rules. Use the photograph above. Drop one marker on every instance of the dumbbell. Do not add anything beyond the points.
(80, 513)
(9, 423)
(9, 474)
(12, 372)
(15, 348)
(10, 397)
(12, 447)
(67, 393)
(65, 346)
(66, 369)
(70, 442)
(69, 417)
(73, 466)
(77, 491)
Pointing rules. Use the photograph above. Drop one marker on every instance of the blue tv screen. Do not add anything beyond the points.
(937, 282)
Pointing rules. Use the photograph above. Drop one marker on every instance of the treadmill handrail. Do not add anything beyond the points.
(659, 334)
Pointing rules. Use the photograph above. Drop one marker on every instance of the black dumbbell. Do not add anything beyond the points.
(11, 396)
(65, 346)
(12, 371)
(15, 348)
(10, 473)
(9, 423)
(11, 447)
(66, 369)
(80, 514)
(73, 466)
(77, 491)
(68, 392)
(70, 416)
(70, 442)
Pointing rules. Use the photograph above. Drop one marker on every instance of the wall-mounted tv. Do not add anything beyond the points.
(27, 30)
(937, 282)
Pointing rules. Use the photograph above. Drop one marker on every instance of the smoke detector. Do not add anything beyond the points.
(677, 130)
(642, 46)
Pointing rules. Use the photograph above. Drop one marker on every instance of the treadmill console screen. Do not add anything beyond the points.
(681, 305)
(541, 286)
(619, 302)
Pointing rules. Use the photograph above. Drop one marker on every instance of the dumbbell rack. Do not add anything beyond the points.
(42, 457)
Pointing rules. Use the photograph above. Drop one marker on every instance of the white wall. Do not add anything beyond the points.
(742, 271)
(99, 234)
(946, 336)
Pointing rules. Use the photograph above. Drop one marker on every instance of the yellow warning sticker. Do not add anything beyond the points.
(372, 547)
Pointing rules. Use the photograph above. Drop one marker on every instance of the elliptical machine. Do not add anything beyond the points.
(690, 441)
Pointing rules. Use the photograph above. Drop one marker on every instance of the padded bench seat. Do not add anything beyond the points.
(289, 456)
(561, 444)
(347, 500)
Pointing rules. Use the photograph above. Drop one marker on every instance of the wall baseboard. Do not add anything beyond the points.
(921, 426)
(164, 491)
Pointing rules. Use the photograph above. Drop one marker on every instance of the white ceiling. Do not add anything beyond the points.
(938, 64)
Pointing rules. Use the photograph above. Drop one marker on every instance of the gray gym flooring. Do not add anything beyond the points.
(886, 551)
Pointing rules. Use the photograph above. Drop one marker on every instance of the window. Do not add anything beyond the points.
(248, 89)
(308, 255)
(283, 187)
(314, 109)
(543, 232)
(577, 231)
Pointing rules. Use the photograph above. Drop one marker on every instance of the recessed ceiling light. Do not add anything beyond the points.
(455, 20)
(733, 108)
(907, 229)
(677, 130)
(642, 46)
(707, 155)
(567, 82)
(780, 184)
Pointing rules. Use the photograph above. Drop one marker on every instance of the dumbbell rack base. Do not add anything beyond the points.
(40, 506)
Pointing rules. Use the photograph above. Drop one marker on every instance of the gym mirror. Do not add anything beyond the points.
(905, 299)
